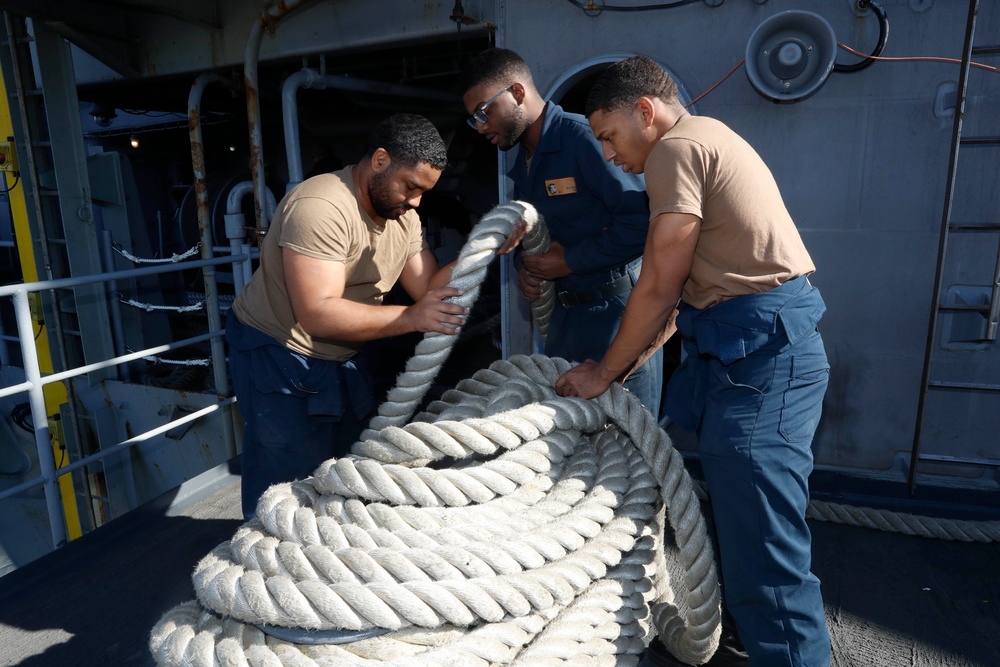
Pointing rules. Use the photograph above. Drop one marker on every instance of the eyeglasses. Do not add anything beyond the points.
(479, 116)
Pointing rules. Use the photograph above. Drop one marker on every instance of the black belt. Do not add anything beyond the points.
(602, 293)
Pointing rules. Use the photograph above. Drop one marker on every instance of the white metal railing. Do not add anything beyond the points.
(35, 381)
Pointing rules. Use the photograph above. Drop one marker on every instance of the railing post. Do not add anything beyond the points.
(39, 418)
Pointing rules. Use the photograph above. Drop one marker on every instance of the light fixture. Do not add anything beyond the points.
(134, 140)
(102, 114)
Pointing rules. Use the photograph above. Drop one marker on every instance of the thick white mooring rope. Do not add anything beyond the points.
(468, 275)
(905, 524)
(505, 525)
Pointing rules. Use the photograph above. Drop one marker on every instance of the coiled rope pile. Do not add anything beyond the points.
(505, 525)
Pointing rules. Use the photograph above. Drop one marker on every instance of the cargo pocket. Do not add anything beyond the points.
(277, 370)
(802, 403)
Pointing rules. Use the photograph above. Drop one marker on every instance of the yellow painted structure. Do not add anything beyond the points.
(55, 393)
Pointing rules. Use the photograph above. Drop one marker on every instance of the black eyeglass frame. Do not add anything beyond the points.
(479, 116)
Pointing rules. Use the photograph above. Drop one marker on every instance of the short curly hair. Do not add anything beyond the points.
(408, 139)
(623, 83)
(495, 65)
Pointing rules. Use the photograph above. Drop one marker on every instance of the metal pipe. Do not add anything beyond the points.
(219, 372)
(236, 228)
(268, 19)
(241, 190)
(39, 417)
(310, 78)
(236, 195)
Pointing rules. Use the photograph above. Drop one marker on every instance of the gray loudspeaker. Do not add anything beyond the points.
(790, 55)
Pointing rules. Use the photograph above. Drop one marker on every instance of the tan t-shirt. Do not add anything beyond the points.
(748, 242)
(322, 218)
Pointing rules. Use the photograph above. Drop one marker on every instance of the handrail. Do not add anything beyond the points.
(152, 433)
(115, 361)
(125, 444)
(62, 283)
(35, 381)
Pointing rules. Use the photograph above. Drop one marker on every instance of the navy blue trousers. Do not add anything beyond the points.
(757, 425)
(752, 389)
(297, 411)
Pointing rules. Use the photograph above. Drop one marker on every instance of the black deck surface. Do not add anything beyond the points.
(891, 600)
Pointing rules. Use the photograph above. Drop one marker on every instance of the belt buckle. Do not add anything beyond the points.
(567, 299)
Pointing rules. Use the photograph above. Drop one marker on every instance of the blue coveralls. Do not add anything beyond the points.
(298, 411)
(600, 215)
(752, 389)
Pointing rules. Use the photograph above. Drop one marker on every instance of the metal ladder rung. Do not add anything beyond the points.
(975, 386)
(980, 141)
(965, 307)
(19, 40)
(959, 459)
(974, 227)
(986, 50)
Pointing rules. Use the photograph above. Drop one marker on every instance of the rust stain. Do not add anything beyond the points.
(255, 162)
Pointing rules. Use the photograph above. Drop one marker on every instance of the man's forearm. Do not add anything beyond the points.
(644, 320)
(346, 320)
(442, 276)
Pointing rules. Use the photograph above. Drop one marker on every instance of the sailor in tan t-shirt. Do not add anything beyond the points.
(323, 219)
(337, 244)
(747, 241)
(724, 265)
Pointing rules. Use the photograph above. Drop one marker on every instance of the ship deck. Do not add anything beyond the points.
(891, 600)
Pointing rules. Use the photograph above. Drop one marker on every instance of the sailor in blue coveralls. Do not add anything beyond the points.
(596, 215)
